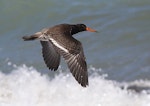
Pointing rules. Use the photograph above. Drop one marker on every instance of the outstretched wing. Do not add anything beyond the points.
(74, 56)
(50, 55)
(78, 67)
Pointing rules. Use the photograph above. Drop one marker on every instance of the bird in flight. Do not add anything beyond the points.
(58, 41)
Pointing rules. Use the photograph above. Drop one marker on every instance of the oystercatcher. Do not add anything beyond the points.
(58, 41)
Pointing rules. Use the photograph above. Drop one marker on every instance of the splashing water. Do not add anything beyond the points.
(25, 86)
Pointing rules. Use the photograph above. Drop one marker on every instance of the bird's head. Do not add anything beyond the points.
(83, 27)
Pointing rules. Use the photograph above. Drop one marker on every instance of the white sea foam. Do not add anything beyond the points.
(25, 86)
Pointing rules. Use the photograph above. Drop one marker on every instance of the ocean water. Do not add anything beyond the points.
(118, 56)
(25, 86)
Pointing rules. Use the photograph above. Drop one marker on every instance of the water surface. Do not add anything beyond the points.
(120, 51)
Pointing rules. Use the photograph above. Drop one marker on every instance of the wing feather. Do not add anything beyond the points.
(77, 64)
(72, 52)
(50, 55)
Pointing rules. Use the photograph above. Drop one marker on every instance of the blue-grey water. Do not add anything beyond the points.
(120, 50)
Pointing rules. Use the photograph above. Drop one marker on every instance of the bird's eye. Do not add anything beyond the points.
(83, 26)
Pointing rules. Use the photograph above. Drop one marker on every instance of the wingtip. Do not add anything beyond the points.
(52, 69)
(85, 85)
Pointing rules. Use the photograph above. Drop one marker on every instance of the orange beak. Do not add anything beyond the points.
(90, 29)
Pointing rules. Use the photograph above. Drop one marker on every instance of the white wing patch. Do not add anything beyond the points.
(58, 45)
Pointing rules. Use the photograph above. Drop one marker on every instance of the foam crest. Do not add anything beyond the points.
(25, 86)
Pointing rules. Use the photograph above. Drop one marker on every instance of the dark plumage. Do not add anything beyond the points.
(58, 41)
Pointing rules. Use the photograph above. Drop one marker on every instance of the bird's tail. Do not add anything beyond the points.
(32, 37)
